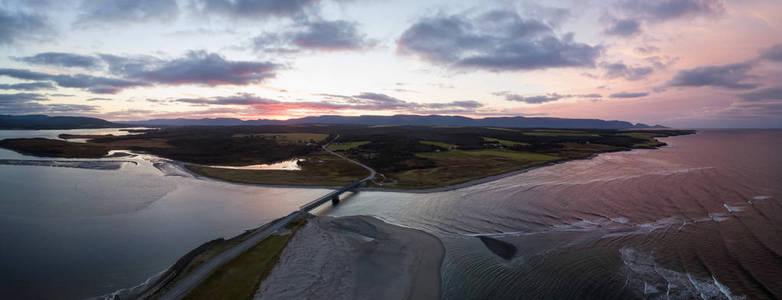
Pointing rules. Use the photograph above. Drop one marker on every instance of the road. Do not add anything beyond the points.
(372, 172)
(185, 285)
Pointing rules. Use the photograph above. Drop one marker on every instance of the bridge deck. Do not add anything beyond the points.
(325, 198)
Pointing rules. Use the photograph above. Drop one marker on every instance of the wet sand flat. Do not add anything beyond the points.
(356, 257)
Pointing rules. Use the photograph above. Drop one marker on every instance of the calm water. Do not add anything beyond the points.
(699, 219)
(70, 233)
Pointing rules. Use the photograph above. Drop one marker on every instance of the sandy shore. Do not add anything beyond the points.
(356, 257)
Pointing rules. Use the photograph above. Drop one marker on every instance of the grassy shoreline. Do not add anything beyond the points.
(406, 158)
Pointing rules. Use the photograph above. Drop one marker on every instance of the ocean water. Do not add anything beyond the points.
(701, 218)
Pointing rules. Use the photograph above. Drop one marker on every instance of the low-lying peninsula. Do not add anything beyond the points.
(366, 258)
(405, 157)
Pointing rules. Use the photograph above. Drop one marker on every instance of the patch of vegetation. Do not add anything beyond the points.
(54, 148)
(319, 169)
(407, 156)
(505, 143)
(503, 129)
(195, 258)
(648, 137)
(288, 137)
(514, 155)
(559, 133)
(346, 146)
(439, 144)
(241, 277)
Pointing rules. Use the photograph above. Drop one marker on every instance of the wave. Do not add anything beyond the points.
(650, 279)
(733, 208)
(609, 179)
(759, 197)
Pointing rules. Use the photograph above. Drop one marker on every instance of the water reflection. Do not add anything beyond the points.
(288, 165)
(699, 218)
(73, 232)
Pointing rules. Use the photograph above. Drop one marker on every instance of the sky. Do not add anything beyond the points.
(680, 63)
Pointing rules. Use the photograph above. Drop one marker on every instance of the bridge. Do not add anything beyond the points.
(334, 196)
(185, 285)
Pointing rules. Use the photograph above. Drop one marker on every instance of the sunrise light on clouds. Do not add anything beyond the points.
(681, 63)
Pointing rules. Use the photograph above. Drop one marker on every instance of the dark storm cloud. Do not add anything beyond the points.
(254, 8)
(772, 93)
(624, 27)
(662, 10)
(629, 95)
(124, 11)
(197, 67)
(730, 76)
(619, 69)
(494, 41)
(98, 85)
(16, 26)
(62, 60)
(317, 35)
(28, 86)
(774, 53)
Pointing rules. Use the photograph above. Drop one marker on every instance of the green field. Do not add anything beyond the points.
(458, 166)
(439, 144)
(289, 137)
(556, 132)
(502, 129)
(514, 155)
(505, 143)
(320, 169)
(241, 277)
(346, 146)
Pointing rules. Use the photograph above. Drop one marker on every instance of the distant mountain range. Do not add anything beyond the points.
(47, 122)
(411, 120)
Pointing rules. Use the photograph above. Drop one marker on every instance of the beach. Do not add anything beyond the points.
(356, 257)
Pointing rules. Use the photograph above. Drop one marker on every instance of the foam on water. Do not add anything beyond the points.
(733, 208)
(650, 279)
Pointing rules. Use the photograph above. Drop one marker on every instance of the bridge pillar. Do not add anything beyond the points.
(335, 200)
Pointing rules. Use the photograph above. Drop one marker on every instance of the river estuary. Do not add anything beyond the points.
(700, 218)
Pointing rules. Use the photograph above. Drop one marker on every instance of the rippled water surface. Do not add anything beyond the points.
(699, 219)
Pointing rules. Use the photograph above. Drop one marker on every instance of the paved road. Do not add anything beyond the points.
(372, 172)
(185, 285)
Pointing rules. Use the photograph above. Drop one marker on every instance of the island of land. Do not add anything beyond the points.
(405, 157)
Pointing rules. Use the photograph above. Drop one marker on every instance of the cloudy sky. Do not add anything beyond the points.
(683, 63)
